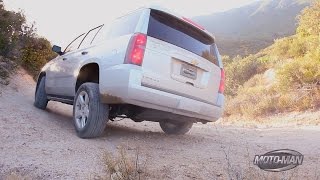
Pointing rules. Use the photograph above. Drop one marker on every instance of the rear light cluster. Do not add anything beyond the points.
(222, 81)
(136, 49)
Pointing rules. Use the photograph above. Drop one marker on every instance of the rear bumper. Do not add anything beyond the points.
(122, 84)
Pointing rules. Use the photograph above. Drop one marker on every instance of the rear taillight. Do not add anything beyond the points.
(136, 49)
(223, 77)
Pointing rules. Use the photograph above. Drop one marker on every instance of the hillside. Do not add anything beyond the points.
(281, 78)
(248, 29)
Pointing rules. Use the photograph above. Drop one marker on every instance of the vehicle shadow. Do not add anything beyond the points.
(116, 129)
(61, 116)
(147, 132)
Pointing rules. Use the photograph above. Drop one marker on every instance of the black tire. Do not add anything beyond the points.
(176, 128)
(40, 99)
(98, 113)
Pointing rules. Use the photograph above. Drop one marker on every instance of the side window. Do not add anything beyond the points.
(125, 25)
(90, 36)
(74, 44)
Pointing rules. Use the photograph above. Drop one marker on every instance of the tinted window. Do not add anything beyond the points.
(125, 25)
(74, 44)
(87, 41)
(170, 29)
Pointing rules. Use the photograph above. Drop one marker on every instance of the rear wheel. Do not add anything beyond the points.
(176, 128)
(89, 114)
(40, 99)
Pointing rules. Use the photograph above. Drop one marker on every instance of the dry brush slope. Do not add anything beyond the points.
(43, 144)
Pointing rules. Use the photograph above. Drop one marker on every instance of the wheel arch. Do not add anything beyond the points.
(88, 73)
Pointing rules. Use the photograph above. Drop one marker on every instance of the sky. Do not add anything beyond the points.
(60, 21)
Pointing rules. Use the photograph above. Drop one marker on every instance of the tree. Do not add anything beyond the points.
(10, 29)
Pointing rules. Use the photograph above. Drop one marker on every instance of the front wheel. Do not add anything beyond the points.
(177, 128)
(40, 99)
(89, 114)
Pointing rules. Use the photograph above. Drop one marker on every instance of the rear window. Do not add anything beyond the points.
(170, 29)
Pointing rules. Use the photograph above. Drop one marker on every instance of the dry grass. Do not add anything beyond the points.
(16, 176)
(260, 98)
(123, 166)
(292, 120)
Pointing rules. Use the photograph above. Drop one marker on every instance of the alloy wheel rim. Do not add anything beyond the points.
(82, 109)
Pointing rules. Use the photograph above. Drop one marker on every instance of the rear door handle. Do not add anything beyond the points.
(64, 59)
(84, 53)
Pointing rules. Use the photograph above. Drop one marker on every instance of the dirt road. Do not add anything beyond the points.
(43, 145)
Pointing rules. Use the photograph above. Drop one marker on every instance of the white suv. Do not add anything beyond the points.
(150, 65)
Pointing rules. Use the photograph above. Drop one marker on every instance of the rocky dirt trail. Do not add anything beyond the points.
(43, 145)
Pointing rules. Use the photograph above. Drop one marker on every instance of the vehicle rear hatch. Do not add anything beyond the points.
(180, 59)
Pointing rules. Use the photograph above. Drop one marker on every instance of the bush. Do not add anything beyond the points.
(253, 99)
(309, 23)
(35, 53)
(240, 71)
(290, 47)
(281, 47)
(226, 60)
(299, 73)
(297, 48)
(10, 29)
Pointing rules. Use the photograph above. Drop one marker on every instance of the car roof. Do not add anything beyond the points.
(168, 11)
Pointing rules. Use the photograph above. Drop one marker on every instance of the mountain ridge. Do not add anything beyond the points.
(259, 23)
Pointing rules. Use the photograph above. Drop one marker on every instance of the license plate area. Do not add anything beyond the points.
(188, 71)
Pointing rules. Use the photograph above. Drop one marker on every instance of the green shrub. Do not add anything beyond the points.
(309, 23)
(281, 47)
(297, 48)
(10, 29)
(226, 60)
(290, 47)
(299, 73)
(240, 71)
(35, 53)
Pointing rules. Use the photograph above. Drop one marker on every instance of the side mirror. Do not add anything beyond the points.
(57, 49)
